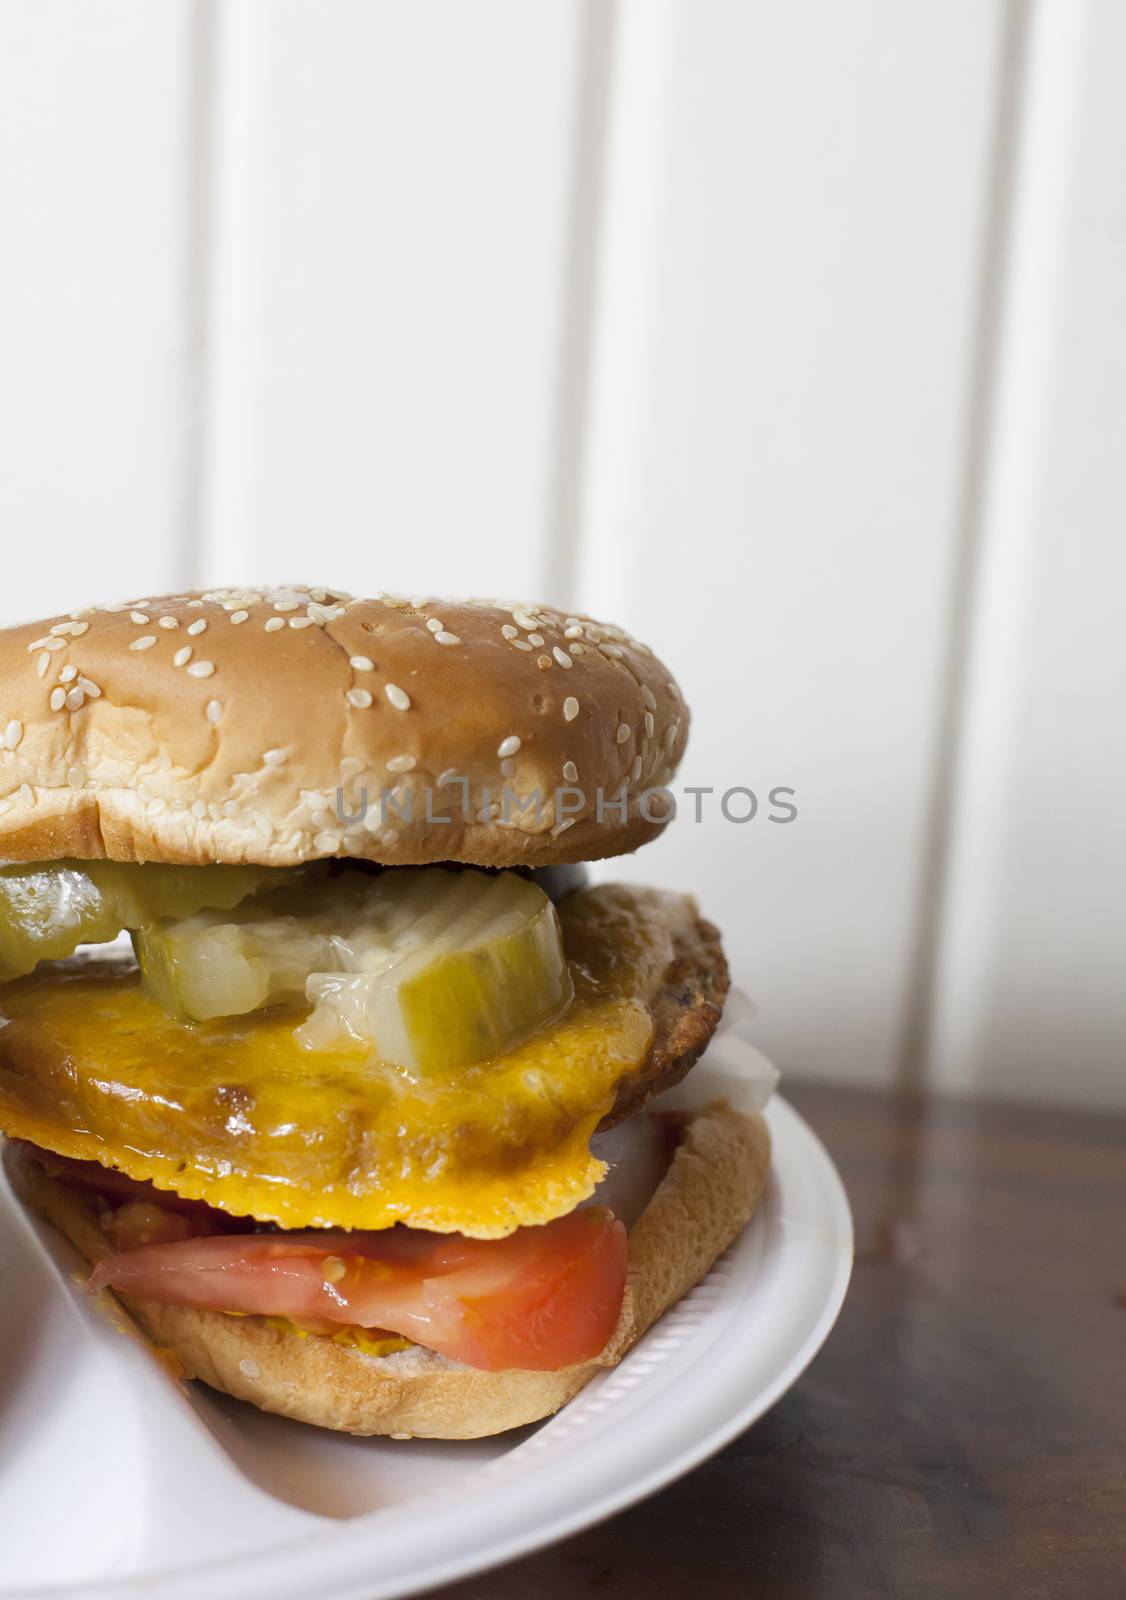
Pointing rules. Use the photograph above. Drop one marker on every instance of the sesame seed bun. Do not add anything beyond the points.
(220, 727)
(714, 1182)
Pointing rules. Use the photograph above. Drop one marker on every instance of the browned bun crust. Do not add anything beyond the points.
(714, 1182)
(230, 743)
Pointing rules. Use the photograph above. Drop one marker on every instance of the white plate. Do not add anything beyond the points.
(114, 1483)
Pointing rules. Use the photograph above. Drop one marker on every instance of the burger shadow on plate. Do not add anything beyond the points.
(25, 1297)
(340, 1475)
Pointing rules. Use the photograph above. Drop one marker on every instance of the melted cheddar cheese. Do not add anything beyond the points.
(236, 1113)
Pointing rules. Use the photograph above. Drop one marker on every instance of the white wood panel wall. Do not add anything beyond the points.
(99, 315)
(790, 336)
(1031, 994)
(777, 463)
(398, 293)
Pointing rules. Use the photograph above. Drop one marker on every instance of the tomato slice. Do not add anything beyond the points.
(543, 1298)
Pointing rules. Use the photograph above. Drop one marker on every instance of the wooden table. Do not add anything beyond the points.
(963, 1432)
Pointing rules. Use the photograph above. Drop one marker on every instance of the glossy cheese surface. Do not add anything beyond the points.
(239, 1115)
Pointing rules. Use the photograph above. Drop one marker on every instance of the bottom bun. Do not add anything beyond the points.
(713, 1184)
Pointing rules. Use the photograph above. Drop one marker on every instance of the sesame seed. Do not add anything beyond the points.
(570, 708)
(327, 841)
(43, 663)
(68, 674)
(214, 710)
(40, 644)
(249, 1368)
(168, 622)
(57, 700)
(198, 626)
(536, 639)
(145, 642)
(522, 619)
(399, 698)
(239, 616)
(275, 757)
(570, 772)
(286, 605)
(612, 650)
(154, 808)
(91, 689)
(434, 624)
(76, 699)
(561, 827)
(201, 669)
(195, 602)
(447, 777)
(361, 663)
(575, 631)
(543, 662)
(649, 697)
(649, 724)
(519, 644)
(508, 630)
(139, 617)
(13, 733)
(301, 622)
(333, 1269)
(623, 732)
(507, 768)
(359, 697)
(183, 656)
(198, 809)
(446, 638)
(577, 649)
(635, 770)
(274, 624)
(561, 656)
(75, 777)
(27, 794)
(400, 764)
(509, 746)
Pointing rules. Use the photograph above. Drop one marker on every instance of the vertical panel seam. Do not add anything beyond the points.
(577, 319)
(228, 159)
(195, 286)
(914, 1053)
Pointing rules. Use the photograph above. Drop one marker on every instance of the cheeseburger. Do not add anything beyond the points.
(312, 1027)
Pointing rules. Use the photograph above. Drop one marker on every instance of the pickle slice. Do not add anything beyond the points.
(48, 909)
(476, 988)
(432, 968)
(207, 966)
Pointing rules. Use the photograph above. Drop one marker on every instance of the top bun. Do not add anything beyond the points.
(248, 725)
